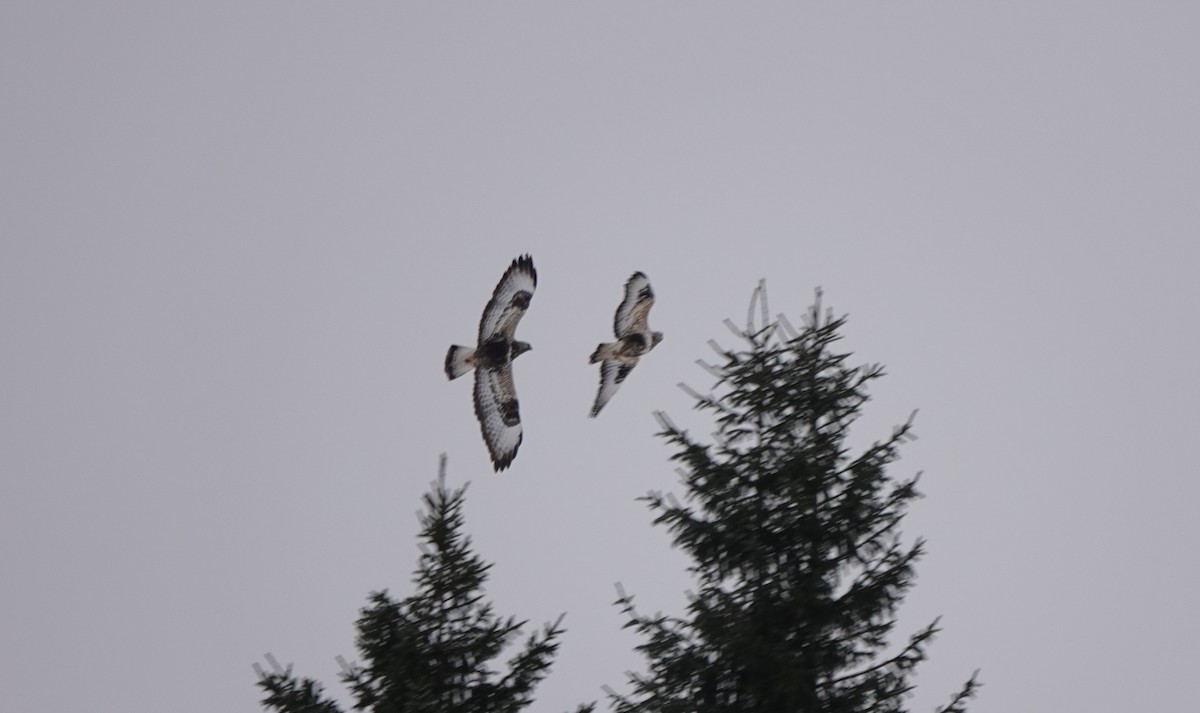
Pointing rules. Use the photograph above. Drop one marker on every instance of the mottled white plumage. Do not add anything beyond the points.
(495, 394)
(634, 338)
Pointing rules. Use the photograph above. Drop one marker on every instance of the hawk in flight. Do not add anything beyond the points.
(495, 395)
(634, 339)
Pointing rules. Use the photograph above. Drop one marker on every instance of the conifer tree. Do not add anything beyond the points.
(433, 651)
(798, 555)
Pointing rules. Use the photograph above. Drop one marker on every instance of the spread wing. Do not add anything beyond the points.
(509, 300)
(498, 413)
(634, 311)
(612, 373)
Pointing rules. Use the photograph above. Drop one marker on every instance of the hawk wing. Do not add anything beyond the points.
(509, 300)
(634, 312)
(612, 373)
(498, 413)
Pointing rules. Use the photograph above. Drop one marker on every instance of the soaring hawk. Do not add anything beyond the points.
(634, 339)
(495, 396)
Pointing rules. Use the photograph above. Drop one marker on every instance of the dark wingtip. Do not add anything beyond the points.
(596, 406)
(504, 462)
(645, 292)
(524, 263)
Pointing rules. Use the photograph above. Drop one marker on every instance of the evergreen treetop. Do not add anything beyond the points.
(431, 652)
(795, 541)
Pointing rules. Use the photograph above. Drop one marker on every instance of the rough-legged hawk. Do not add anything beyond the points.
(634, 339)
(495, 396)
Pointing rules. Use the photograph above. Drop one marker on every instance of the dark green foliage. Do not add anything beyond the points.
(797, 550)
(431, 652)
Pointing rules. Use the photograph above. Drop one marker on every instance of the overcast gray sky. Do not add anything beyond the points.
(236, 239)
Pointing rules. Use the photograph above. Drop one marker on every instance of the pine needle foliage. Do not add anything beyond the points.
(795, 540)
(432, 652)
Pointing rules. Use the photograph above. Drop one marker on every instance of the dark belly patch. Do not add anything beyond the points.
(493, 352)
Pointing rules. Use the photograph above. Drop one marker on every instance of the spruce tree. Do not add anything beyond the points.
(798, 555)
(431, 652)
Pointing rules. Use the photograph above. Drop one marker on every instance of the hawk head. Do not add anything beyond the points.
(517, 349)
(655, 337)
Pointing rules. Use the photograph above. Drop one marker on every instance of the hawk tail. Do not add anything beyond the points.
(459, 361)
(603, 351)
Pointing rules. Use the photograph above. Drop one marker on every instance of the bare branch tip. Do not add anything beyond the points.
(733, 328)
